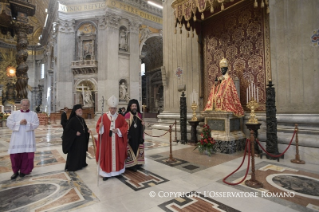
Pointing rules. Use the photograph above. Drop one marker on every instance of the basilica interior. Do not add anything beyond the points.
(170, 56)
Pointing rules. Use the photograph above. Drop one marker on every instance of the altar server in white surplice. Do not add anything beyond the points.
(22, 144)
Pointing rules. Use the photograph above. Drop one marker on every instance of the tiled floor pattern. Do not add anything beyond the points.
(183, 183)
(54, 191)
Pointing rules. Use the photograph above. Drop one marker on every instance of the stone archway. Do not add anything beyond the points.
(152, 55)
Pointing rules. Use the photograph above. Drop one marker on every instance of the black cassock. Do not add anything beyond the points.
(135, 135)
(75, 146)
(64, 120)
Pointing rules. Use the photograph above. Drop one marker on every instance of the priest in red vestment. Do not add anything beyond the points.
(113, 130)
(223, 95)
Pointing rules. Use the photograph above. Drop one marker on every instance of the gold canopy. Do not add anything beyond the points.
(188, 11)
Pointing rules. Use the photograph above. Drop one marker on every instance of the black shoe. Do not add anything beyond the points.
(21, 174)
(134, 169)
(105, 178)
(15, 175)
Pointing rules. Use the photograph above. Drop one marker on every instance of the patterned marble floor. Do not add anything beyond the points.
(186, 185)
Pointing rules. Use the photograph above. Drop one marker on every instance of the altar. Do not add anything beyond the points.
(226, 129)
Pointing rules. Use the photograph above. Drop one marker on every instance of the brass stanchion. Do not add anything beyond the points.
(297, 159)
(170, 159)
(175, 133)
(253, 182)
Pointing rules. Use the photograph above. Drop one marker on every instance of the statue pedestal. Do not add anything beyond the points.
(226, 129)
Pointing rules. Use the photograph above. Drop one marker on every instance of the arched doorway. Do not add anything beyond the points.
(152, 85)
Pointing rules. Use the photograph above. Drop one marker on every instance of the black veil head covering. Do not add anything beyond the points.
(75, 107)
(133, 101)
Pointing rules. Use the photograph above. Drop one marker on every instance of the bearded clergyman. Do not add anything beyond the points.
(135, 148)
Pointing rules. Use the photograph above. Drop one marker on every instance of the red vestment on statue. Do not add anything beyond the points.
(224, 97)
(113, 154)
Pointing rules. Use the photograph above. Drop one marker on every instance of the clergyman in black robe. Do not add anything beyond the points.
(75, 140)
(64, 118)
(135, 136)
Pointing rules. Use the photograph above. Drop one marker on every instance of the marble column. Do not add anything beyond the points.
(102, 58)
(33, 100)
(65, 53)
(108, 48)
(135, 65)
(49, 91)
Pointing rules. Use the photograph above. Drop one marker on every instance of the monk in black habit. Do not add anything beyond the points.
(75, 140)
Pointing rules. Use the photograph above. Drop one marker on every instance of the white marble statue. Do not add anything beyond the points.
(123, 40)
(123, 92)
(87, 99)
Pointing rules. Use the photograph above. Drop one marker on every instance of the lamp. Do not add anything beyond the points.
(11, 71)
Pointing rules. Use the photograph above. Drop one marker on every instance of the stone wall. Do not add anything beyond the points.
(178, 51)
(294, 60)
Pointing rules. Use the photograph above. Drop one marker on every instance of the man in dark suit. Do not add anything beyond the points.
(64, 118)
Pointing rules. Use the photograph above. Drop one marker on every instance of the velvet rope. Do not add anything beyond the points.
(156, 136)
(224, 180)
(277, 156)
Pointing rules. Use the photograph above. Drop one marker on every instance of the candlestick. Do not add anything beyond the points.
(257, 96)
(194, 106)
(247, 96)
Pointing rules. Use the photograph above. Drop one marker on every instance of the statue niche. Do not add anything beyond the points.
(123, 39)
(86, 42)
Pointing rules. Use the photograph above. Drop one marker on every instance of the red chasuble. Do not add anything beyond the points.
(113, 154)
(224, 97)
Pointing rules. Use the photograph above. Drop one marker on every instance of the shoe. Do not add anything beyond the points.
(15, 175)
(21, 174)
(134, 169)
(105, 178)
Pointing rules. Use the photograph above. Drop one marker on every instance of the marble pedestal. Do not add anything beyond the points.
(226, 129)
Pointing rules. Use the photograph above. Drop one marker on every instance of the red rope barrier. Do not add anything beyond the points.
(157, 136)
(224, 180)
(277, 156)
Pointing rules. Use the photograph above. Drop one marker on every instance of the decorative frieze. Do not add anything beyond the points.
(101, 22)
(112, 20)
(84, 67)
(66, 26)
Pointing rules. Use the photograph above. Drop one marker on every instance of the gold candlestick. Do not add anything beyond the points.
(194, 107)
(252, 105)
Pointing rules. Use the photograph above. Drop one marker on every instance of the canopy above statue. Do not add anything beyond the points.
(192, 12)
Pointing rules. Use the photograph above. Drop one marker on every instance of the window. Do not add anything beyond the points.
(142, 69)
(42, 71)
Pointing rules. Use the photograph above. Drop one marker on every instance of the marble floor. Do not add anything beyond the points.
(193, 183)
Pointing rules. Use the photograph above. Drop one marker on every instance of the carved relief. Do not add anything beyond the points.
(66, 26)
(102, 22)
(86, 41)
(112, 20)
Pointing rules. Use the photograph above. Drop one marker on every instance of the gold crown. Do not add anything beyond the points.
(223, 63)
